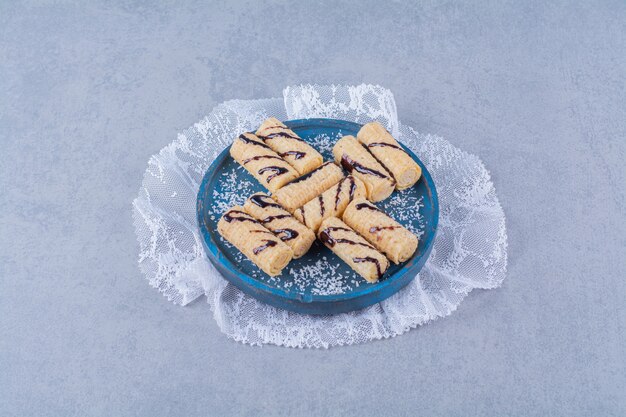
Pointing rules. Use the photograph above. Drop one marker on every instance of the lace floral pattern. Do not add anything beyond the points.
(470, 249)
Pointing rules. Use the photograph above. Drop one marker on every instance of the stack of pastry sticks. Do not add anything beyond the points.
(312, 198)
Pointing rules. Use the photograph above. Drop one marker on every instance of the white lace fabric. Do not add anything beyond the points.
(470, 249)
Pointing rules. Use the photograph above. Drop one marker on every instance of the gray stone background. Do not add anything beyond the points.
(89, 90)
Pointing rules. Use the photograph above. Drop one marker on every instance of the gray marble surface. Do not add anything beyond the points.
(89, 91)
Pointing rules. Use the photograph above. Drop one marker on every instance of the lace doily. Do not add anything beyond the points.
(470, 249)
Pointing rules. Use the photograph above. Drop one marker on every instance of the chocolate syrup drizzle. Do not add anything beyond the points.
(262, 201)
(307, 176)
(303, 216)
(282, 134)
(268, 244)
(230, 218)
(321, 200)
(375, 261)
(390, 145)
(367, 206)
(331, 228)
(326, 238)
(249, 141)
(276, 172)
(375, 229)
(288, 234)
(340, 187)
(296, 154)
(256, 158)
(350, 164)
(270, 219)
(275, 127)
(382, 164)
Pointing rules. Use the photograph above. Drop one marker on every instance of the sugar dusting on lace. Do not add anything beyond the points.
(470, 250)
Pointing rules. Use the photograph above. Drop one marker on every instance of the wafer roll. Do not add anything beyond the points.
(383, 232)
(299, 191)
(388, 151)
(264, 164)
(278, 220)
(331, 203)
(256, 242)
(353, 249)
(355, 159)
(284, 141)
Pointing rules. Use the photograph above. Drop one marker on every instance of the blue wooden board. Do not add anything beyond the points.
(319, 282)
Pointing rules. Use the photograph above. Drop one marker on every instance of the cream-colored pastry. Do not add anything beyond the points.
(278, 220)
(353, 249)
(260, 245)
(331, 203)
(284, 141)
(383, 232)
(300, 191)
(263, 163)
(355, 159)
(388, 151)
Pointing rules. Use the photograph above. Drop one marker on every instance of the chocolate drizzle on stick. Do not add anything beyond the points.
(264, 201)
(245, 218)
(276, 172)
(374, 261)
(268, 244)
(331, 241)
(249, 141)
(389, 145)
(288, 234)
(281, 134)
(368, 206)
(256, 158)
(307, 176)
(340, 188)
(295, 154)
(375, 229)
(270, 219)
(350, 165)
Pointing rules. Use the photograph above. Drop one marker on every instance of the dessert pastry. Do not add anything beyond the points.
(355, 159)
(264, 164)
(383, 232)
(301, 190)
(278, 220)
(353, 249)
(302, 156)
(260, 245)
(331, 202)
(388, 151)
